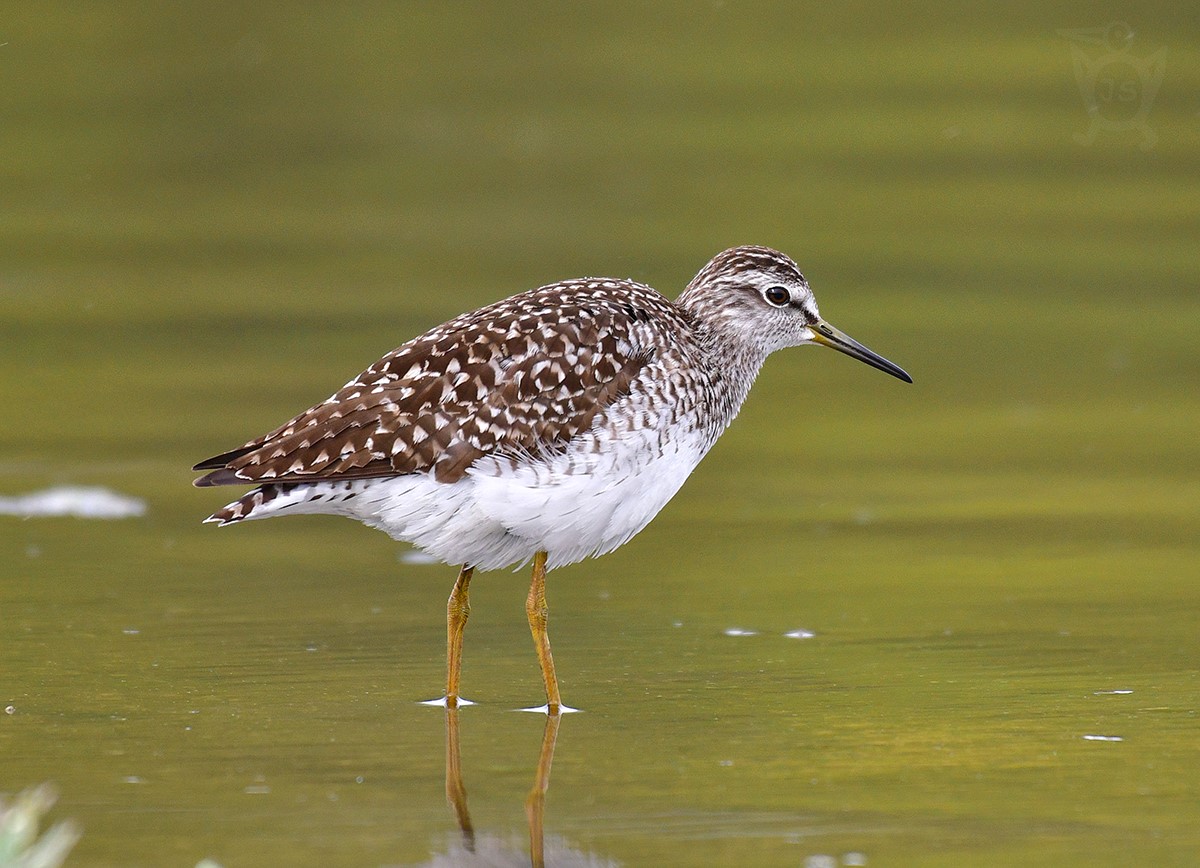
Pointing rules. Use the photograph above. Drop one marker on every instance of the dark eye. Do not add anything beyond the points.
(777, 296)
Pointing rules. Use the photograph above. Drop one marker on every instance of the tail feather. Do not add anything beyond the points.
(225, 458)
(291, 498)
(244, 506)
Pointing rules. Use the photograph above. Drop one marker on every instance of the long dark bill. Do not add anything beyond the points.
(827, 335)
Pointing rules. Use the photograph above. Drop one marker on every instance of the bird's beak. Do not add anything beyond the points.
(824, 333)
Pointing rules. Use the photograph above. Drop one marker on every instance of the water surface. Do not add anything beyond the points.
(214, 217)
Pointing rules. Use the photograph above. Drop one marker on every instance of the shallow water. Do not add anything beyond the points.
(214, 218)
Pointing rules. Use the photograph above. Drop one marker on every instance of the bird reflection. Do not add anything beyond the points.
(456, 793)
(486, 849)
(535, 802)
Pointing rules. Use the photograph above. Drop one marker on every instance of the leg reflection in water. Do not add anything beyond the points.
(535, 803)
(456, 793)
(486, 849)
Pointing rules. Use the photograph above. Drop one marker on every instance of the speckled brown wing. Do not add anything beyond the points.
(519, 377)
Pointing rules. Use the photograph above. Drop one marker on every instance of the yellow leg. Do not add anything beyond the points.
(536, 609)
(457, 610)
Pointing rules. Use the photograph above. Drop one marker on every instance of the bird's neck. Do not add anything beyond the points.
(731, 366)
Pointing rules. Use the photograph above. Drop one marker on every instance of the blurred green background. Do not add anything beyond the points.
(212, 215)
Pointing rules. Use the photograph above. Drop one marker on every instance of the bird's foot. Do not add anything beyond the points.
(550, 711)
(448, 702)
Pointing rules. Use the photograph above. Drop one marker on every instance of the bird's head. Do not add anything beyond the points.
(757, 297)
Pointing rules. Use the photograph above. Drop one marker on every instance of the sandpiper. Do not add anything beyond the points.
(549, 426)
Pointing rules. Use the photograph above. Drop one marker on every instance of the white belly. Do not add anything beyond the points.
(571, 505)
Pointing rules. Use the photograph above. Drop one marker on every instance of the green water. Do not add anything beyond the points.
(212, 217)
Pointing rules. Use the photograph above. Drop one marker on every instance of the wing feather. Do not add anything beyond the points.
(520, 377)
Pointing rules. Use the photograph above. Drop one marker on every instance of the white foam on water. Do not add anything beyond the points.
(416, 556)
(73, 500)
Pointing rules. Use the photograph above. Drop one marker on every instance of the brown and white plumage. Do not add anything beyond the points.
(520, 377)
(560, 420)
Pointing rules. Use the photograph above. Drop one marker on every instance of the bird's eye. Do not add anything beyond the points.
(777, 296)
